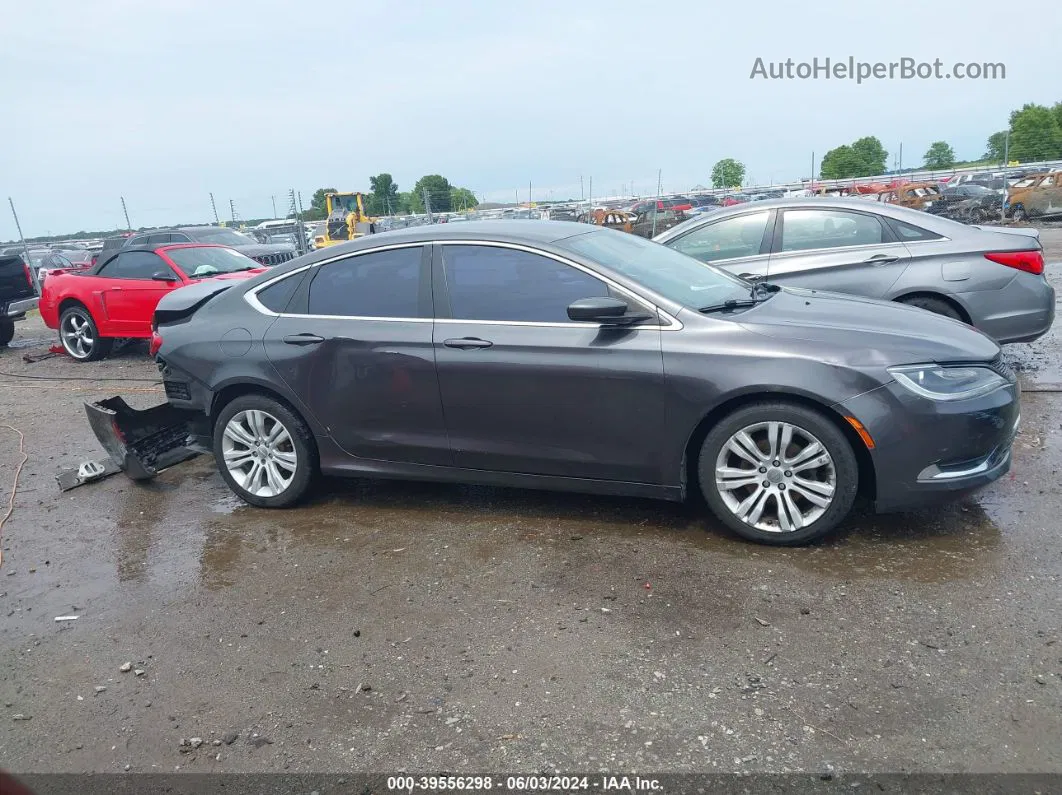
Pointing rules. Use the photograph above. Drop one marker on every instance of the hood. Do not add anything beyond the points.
(868, 332)
(259, 249)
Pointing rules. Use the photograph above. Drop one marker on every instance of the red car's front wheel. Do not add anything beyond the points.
(80, 337)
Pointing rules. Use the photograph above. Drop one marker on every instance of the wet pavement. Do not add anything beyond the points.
(390, 626)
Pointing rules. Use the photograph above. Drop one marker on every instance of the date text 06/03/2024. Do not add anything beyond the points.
(518, 783)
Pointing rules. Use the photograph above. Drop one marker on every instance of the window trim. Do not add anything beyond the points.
(888, 237)
(251, 296)
(672, 322)
(100, 272)
(766, 241)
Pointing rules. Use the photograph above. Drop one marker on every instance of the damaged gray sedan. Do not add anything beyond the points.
(549, 355)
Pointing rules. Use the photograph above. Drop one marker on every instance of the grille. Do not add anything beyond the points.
(177, 390)
(1000, 366)
(274, 259)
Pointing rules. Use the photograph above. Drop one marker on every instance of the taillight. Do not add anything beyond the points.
(156, 342)
(28, 272)
(1028, 261)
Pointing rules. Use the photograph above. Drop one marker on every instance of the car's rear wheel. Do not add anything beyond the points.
(937, 306)
(7, 332)
(1019, 214)
(80, 337)
(264, 451)
(778, 473)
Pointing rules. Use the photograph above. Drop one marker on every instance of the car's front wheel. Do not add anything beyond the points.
(80, 337)
(264, 451)
(778, 473)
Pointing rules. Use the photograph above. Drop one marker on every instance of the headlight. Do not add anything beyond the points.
(945, 382)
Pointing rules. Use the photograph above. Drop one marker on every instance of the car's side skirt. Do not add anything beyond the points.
(352, 467)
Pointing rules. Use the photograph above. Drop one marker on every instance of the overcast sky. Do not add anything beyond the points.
(165, 101)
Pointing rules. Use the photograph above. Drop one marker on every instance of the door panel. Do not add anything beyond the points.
(371, 383)
(129, 294)
(355, 343)
(537, 394)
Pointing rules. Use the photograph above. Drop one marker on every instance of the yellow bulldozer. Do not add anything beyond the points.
(346, 219)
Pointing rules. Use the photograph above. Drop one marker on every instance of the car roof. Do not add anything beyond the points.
(933, 223)
(501, 231)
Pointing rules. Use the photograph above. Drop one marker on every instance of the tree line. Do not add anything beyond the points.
(1034, 133)
(384, 197)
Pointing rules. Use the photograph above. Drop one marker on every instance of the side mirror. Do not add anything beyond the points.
(164, 276)
(608, 311)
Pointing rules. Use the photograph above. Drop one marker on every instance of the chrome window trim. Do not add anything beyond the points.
(861, 246)
(673, 323)
(251, 296)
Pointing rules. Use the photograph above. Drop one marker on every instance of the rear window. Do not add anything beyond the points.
(276, 296)
(909, 232)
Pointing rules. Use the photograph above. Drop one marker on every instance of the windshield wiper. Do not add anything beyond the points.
(733, 303)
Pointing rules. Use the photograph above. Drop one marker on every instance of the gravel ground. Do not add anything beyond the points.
(398, 626)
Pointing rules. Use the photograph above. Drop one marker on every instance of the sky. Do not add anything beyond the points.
(164, 102)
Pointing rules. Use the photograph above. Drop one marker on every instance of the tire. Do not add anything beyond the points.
(276, 484)
(802, 519)
(80, 337)
(1019, 214)
(937, 306)
(7, 332)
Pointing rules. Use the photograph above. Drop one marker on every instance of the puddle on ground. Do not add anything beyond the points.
(360, 517)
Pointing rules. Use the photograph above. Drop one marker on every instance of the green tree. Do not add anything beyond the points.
(728, 173)
(318, 211)
(840, 163)
(406, 205)
(872, 156)
(1056, 109)
(1035, 134)
(438, 190)
(384, 197)
(863, 158)
(462, 199)
(997, 147)
(940, 155)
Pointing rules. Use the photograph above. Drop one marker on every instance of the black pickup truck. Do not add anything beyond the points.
(18, 292)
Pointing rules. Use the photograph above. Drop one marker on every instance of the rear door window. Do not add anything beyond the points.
(382, 284)
(805, 230)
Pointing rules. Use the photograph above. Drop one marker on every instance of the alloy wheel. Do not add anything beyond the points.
(259, 453)
(77, 335)
(775, 477)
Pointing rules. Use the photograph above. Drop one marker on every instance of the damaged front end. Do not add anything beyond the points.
(142, 442)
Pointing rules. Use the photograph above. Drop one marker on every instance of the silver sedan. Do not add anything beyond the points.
(990, 277)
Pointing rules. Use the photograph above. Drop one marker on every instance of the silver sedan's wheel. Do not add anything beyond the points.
(775, 477)
(259, 453)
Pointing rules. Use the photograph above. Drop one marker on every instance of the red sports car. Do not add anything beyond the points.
(116, 298)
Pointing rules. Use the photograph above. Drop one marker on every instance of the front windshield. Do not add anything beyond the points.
(199, 262)
(223, 237)
(665, 271)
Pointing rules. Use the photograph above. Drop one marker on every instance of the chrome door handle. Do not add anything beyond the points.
(881, 259)
(303, 339)
(467, 343)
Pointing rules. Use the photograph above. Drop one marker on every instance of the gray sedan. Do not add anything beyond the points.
(991, 278)
(551, 355)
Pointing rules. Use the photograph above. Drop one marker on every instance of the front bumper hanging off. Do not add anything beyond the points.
(142, 442)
